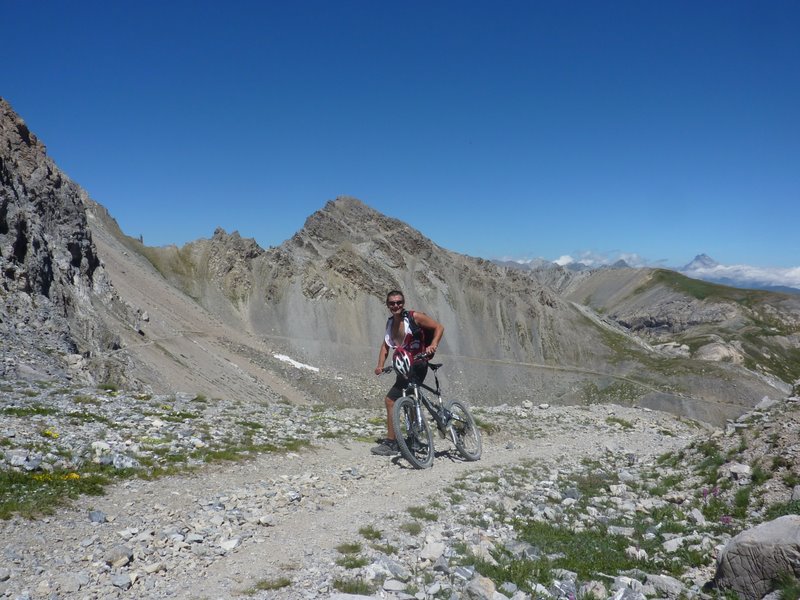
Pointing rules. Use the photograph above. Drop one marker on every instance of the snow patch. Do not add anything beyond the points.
(294, 363)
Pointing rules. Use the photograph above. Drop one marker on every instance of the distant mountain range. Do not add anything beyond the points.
(774, 279)
(744, 276)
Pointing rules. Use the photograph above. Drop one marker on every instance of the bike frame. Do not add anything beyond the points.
(416, 387)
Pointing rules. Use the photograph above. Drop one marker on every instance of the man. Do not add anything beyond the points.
(416, 333)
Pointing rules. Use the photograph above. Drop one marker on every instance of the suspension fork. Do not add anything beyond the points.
(418, 416)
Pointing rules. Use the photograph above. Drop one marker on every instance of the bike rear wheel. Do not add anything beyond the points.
(414, 436)
(464, 432)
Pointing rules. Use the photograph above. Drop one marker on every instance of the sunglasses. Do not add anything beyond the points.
(398, 303)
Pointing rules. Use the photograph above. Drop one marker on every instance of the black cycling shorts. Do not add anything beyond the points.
(420, 370)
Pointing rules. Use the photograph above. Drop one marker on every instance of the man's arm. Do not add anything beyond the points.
(382, 353)
(426, 322)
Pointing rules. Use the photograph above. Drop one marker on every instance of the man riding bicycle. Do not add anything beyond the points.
(415, 333)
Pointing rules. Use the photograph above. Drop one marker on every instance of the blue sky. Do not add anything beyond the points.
(498, 129)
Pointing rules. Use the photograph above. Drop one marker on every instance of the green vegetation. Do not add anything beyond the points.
(370, 533)
(412, 527)
(619, 392)
(518, 571)
(666, 484)
(29, 411)
(788, 586)
(791, 479)
(485, 426)
(711, 462)
(625, 424)
(349, 548)
(585, 552)
(88, 417)
(352, 586)
(267, 585)
(238, 451)
(758, 474)
(702, 290)
(785, 508)
(350, 558)
(595, 483)
(387, 549)
(30, 494)
(420, 512)
(741, 501)
(86, 400)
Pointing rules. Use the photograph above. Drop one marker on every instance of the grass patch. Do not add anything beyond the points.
(387, 549)
(31, 494)
(29, 411)
(412, 527)
(741, 501)
(485, 426)
(784, 508)
(711, 462)
(759, 475)
(666, 485)
(788, 586)
(351, 561)
(266, 585)
(420, 512)
(86, 400)
(349, 548)
(624, 423)
(180, 416)
(87, 417)
(370, 533)
(518, 571)
(352, 586)
(586, 552)
(595, 483)
(791, 480)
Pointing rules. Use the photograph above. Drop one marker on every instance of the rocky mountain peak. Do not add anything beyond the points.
(349, 221)
(246, 248)
(701, 261)
(49, 268)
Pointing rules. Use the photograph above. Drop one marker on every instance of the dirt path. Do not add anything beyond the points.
(285, 515)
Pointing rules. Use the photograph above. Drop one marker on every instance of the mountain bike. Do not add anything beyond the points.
(413, 431)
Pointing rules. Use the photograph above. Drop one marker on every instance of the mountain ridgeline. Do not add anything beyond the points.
(215, 316)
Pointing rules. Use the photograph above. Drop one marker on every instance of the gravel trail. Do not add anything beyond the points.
(217, 532)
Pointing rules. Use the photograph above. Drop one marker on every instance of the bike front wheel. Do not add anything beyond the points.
(464, 432)
(414, 437)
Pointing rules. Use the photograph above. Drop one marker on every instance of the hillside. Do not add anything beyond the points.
(754, 329)
(217, 316)
(509, 335)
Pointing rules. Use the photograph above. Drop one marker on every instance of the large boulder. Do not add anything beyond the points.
(750, 562)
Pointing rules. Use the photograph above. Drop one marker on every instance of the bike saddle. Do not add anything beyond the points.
(434, 366)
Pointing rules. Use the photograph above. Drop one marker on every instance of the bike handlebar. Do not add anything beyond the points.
(423, 356)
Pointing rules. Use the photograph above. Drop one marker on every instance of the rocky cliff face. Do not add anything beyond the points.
(50, 273)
